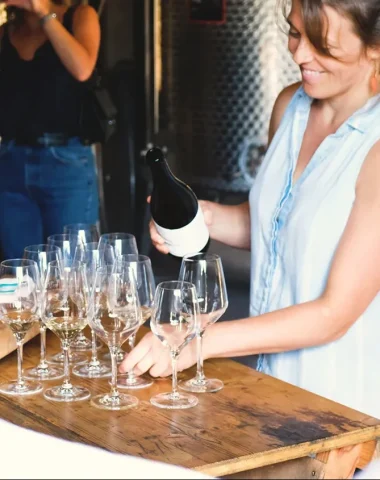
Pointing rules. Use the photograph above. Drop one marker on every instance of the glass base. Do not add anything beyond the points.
(27, 388)
(59, 358)
(83, 344)
(48, 373)
(179, 401)
(119, 402)
(87, 370)
(208, 385)
(135, 382)
(63, 394)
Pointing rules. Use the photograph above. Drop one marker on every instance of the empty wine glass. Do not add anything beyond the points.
(86, 232)
(93, 259)
(123, 244)
(43, 254)
(142, 268)
(19, 302)
(175, 322)
(116, 315)
(65, 310)
(205, 271)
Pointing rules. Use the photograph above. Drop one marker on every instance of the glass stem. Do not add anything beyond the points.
(43, 363)
(175, 393)
(94, 354)
(113, 351)
(20, 372)
(200, 377)
(131, 340)
(66, 366)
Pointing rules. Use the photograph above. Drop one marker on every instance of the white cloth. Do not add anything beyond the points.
(27, 454)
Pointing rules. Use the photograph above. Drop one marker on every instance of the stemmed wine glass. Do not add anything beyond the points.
(142, 267)
(87, 233)
(115, 315)
(175, 322)
(72, 250)
(205, 271)
(93, 259)
(123, 244)
(19, 280)
(43, 254)
(65, 312)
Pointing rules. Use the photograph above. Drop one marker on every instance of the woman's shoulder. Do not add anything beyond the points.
(281, 104)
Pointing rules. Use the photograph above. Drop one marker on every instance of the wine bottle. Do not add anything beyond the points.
(175, 210)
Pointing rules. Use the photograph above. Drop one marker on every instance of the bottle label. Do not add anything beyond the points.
(186, 240)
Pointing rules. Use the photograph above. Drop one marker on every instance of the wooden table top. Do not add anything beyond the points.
(254, 421)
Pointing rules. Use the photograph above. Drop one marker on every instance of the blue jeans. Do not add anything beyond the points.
(41, 190)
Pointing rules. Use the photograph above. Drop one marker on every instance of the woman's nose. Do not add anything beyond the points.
(304, 52)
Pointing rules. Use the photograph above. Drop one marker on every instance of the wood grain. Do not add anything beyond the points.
(255, 421)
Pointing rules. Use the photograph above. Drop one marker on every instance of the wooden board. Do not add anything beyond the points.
(255, 421)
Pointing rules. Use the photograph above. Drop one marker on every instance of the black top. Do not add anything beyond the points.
(40, 95)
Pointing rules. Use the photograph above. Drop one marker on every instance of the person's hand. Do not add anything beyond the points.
(159, 243)
(151, 355)
(39, 7)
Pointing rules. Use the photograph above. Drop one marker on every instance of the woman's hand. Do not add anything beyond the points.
(159, 242)
(151, 355)
(39, 7)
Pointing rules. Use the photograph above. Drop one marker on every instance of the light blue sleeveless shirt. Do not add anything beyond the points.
(295, 231)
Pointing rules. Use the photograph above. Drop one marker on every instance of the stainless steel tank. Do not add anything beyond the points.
(217, 88)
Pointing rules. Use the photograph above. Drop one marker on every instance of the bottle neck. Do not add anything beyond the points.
(161, 170)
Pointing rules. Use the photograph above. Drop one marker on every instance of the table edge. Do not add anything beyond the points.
(263, 459)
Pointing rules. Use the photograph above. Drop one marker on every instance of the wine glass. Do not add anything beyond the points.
(65, 309)
(86, 232)
(175, 322)
(74, 240)
(72, 250)
(205, 271)
(93, 259)
(43, 254)
(19, 280)
(142, 268)
(123, 244)
(116, 315)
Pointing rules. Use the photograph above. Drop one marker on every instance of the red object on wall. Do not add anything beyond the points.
(211, 12)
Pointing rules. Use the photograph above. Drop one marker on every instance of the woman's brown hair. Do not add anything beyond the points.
(364, 15)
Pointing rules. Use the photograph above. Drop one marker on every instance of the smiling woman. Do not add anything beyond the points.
(312, 219)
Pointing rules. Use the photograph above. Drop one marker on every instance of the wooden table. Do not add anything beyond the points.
(256, 427)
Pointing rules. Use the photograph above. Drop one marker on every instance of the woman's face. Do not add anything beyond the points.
(326, 77)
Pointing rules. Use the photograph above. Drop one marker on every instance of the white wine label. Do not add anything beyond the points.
(186, 240)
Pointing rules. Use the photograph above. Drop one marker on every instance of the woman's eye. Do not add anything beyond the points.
(294, 33)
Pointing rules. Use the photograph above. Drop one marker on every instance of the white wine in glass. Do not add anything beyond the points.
(65, 312)
(19, 304)
(42, 254)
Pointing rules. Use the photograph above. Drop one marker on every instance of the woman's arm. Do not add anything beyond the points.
(353, 282)
(77, 52)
